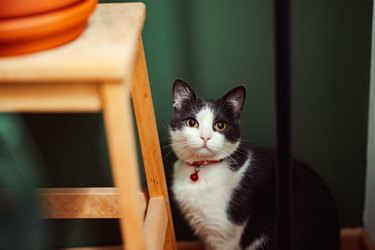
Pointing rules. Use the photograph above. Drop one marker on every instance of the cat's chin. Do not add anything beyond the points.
(205, 152)
(202, 154)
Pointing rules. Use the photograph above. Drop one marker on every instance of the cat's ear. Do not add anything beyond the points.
(236, 99)
(181, 92)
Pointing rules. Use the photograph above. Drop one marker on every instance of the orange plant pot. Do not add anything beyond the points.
(47, 30)
(17, 8)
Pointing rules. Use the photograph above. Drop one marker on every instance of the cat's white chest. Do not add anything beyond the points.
(204, 203)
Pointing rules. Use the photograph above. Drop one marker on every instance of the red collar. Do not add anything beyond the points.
(202, 163)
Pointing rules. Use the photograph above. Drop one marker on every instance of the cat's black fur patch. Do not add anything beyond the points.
(238, 158)
(188, 110)
(224, 113)
(253, 202)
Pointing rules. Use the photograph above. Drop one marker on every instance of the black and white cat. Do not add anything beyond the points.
(226, 190)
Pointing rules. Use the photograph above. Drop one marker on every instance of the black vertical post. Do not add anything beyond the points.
(283, 118)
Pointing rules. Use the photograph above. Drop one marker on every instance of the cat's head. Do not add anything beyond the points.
(205, 129)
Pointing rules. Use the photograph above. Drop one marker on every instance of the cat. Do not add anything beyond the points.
(226, 190)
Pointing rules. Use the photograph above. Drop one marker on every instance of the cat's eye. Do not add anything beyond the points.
(191, 122)
(220, 126)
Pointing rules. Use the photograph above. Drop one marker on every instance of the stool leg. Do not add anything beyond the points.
(122, 151)
(149, 140)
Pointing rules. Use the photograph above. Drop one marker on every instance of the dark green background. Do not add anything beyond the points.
(216, 45)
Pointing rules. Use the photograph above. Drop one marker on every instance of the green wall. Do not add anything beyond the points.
(216, 45)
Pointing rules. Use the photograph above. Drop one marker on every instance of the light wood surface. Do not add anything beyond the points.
(105, 51)
(149, 140)
(57, 97)
(122, 151)
(155, 225)
(83, 203)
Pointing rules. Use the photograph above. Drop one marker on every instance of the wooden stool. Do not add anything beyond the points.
(100, 72)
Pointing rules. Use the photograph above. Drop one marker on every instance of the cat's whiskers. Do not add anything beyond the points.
(230, 152)
(169, 152)
(184, 151)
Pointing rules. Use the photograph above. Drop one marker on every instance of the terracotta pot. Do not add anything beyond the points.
(23, 47)
(17, 8)
(47, 30)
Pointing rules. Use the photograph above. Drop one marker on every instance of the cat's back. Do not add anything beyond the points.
(253, 202)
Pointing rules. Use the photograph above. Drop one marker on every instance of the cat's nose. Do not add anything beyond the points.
(205, 138)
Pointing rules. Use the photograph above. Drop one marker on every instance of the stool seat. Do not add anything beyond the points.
(105, 71)
(105, 51)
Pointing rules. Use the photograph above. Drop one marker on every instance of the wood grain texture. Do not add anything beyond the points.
(123, 157)
(155, 225)
(82, 203)
(52, 97)
(149, 140)
(105, 51)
